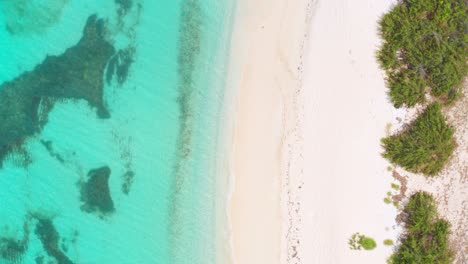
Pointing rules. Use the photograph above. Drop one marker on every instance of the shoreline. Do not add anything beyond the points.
(268, 38)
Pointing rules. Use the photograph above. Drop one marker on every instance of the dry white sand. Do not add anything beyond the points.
(346, 112)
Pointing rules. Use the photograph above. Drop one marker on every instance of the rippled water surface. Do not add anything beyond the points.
(109, 117)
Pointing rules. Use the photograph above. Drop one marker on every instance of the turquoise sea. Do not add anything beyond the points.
(109, 120)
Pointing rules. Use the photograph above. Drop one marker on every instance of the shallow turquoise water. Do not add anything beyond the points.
(157, 203)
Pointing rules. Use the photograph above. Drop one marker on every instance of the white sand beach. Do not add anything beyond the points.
(346, 113)
(311, 108)
(267, 44)
(306, 156)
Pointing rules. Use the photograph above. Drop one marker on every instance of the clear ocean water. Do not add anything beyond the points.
(109, 118)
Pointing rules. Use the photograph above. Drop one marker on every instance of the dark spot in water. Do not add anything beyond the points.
(39, 260)
(21, 157)
(45, 107)
(127, 181)
(48, 235)
(95, 193)
(64, 246)
(123, 6)
(9, 29)
(76, 74)
(48, 145)
(190, 41)
(119, 65)
(12, 249)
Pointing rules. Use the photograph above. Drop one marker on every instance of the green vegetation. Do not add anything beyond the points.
(424, 54)
(425, 239)
(424, 46)
(389, 200)
(388, 242)
(425, 146)
(353, 242)
(367, 243)
(358, 242)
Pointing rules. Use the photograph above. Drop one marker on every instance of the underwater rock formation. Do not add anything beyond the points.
(95, 193)
(127, 181)
(48, 145)
(120, 64)
(124, 6)
(46, 232)
(11, 249)
(76, 74)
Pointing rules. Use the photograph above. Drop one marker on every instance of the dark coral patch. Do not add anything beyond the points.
(95, 193)
(12, 249)
(46, 232)
(49, 147)
(120, 64)
(124, 7)
(76, 74)
(127, 181)
(39, 260)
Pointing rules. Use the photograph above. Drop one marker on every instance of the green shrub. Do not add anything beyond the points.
(367, 243)
(424, 46)
(425, 147)
(359, 241)
(425, 239)
(395, 187)
(353, 242)
(388, 242)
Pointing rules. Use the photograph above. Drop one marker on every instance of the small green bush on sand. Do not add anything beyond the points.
(367, 243)
(425, 239)
(425, 147)
(359, 241)
(353, 242)
(388, 242)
